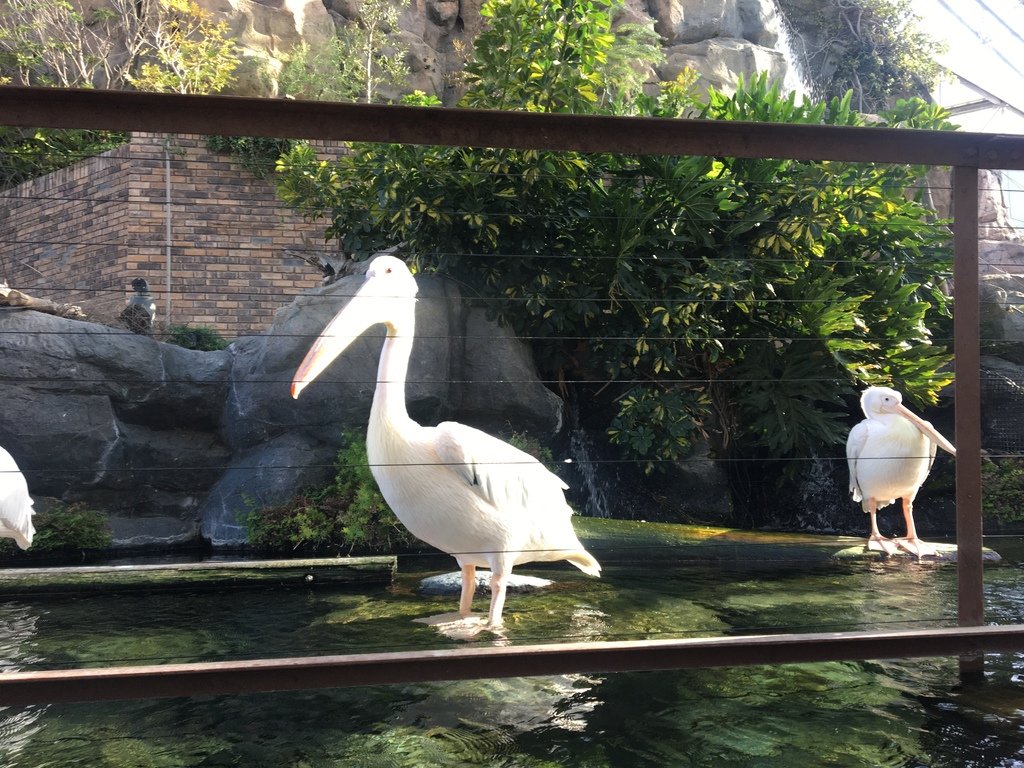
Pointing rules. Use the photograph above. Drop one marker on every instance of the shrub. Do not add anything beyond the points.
(531, 445)
(64, 529)
(1003, 489)
(200, 337)
(257, 154)
(347, 514)
(27, 153)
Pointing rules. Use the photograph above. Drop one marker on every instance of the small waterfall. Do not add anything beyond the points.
(590, 491)
(797, 78)
(825, 505)
(594, 490)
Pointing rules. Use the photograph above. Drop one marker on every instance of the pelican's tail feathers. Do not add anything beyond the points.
(585, 562)
(16, 522)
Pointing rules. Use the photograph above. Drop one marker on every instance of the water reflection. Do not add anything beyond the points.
(18, 725)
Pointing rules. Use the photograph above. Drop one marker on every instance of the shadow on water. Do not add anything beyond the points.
(889, 713)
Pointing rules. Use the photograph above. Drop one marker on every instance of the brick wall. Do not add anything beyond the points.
(84, 233)
(63, 236)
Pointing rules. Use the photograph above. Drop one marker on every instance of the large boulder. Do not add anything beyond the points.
(1002, 318)
(722, 61)
(692, 21)
(112, 419)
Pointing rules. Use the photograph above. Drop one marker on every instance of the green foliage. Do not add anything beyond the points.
(421, 99)
(746, 297)
(27, 153)
(531, 445)
(874, 48)
(559, 57)
(64, 529)
(257, 154)
(201, 337)
(355, 65)
(327, 73)
(1002, 482)
(56, 43)
(173, 44)
(635, 51)
(158, 45)
(188, 52)
(541, 57)
(347, 514)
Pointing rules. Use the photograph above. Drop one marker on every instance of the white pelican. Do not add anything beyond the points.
(15, 503)
(889, 454)
(456, 488)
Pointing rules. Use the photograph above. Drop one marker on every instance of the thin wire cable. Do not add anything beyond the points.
(566, 462)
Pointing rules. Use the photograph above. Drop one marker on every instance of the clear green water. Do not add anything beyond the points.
(893, 713)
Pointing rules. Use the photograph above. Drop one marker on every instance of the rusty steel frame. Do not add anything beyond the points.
(286, 118)
(965, 152)
(287, 674)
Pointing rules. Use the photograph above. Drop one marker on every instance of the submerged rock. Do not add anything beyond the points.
(946, 553)
(451, 583)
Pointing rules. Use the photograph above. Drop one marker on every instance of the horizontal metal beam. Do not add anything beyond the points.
(317, 672)
(230, 115)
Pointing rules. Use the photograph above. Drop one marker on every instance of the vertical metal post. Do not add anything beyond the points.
(966, 347)
(167, 228)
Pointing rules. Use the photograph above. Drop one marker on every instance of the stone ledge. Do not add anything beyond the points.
(328, 571)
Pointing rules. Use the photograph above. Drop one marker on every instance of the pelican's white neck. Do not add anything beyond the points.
(389, 396)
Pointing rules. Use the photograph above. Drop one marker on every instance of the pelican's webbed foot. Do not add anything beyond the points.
(917, 547)
(878, 543)
(458, 627)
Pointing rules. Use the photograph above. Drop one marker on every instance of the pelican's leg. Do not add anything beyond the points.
(499, 583)
(911, 543)
(468, 590)
(876, 541)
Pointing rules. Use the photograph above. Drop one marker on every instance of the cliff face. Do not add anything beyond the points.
(721, 39)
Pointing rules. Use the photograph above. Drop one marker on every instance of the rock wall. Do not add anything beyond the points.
(721, 39)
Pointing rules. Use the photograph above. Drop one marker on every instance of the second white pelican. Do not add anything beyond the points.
(889, 454)
(458, 489)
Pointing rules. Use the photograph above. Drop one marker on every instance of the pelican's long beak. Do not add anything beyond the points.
(926, 428)
(354, 318)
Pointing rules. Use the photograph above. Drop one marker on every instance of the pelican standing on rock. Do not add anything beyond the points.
(889, 454)
(15, 503)
(458, 489)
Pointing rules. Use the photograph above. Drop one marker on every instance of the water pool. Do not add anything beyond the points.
(891, 713)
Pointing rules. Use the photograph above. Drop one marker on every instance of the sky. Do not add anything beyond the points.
(985, 41)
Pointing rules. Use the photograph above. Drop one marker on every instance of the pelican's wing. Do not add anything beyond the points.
(501, 473)
(854, 445)
(932, 450)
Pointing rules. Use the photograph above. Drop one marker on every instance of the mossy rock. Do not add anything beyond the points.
(629, 541)
(333, 571)
(946, 553)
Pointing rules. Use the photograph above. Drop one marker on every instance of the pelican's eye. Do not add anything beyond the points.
(387, 270)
